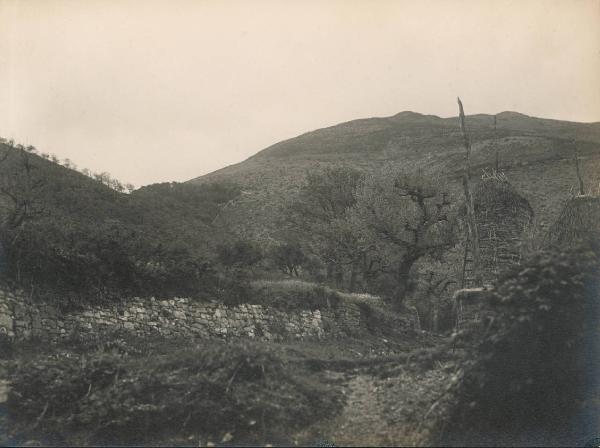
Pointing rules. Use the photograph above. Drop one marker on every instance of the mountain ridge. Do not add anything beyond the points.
(507, 119)
(535, 153)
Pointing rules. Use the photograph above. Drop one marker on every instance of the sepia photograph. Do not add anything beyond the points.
(307, 223)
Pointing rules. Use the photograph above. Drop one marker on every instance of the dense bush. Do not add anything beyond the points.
(239, 254)
(210, 390)
(74, 263)
(533, 374)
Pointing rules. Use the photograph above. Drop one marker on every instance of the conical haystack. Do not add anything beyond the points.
(502, 217)
(578, 223)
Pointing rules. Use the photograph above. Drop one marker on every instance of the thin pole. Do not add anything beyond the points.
(471, 222)
(496, 146)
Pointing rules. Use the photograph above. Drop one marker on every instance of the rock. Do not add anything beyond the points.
(6, 321)
(179, 314)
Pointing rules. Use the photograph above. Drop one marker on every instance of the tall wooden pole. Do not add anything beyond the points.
(577, 170)
(471, 222)
(496, 146)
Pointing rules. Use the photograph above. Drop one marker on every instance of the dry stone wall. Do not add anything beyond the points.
(22, 319)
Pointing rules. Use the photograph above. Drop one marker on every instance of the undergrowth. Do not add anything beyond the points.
(531, 377)
(294, 295)
(214, 389)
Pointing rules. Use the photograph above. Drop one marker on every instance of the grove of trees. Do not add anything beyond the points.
(369, 231)
(77, 237)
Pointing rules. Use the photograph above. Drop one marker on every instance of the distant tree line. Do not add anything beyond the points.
(103, 177)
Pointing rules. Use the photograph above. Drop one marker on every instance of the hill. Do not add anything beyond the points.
(76, 239)
(535, 153)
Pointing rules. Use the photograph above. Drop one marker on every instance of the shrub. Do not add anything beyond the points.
(240, 253)
(294, 295)
(533, 375)
(218, 388)
(287, 257)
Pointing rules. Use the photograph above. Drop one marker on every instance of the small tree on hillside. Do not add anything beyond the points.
(320, 215)
(20, 189)
(240, 254)
(287, 257)
(328, 193)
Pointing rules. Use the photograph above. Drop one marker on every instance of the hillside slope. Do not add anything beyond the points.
(71, 238)
(535, 153)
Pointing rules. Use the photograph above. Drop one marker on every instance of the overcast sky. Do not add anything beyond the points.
(169, 90)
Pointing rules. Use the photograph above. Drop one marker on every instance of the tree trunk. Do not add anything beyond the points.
(329, 271)
(353, 277)
(435, 324)
(403, 280)
(339, 277)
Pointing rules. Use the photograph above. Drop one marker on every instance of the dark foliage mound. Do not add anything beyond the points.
(212, 390)
(533, 376)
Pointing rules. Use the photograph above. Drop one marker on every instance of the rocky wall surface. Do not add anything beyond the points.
(21, 319)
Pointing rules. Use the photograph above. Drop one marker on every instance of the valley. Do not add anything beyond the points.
(323, 292)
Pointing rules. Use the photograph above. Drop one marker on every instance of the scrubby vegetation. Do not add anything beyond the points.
(204, 392)
(294, 295)
(532, 375)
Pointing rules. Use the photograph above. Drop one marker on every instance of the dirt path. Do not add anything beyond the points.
(4, 385)
(382, 411)
(361, 422)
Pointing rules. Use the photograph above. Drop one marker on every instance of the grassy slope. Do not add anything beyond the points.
(535, 153)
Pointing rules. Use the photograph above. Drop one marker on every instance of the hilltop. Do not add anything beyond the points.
(535, 153)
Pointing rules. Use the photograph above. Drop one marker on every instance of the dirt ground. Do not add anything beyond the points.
(381, 411)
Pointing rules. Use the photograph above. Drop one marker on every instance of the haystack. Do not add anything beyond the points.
(578, 223)
(502, 216)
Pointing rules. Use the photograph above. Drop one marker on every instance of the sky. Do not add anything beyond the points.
(156, 91)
